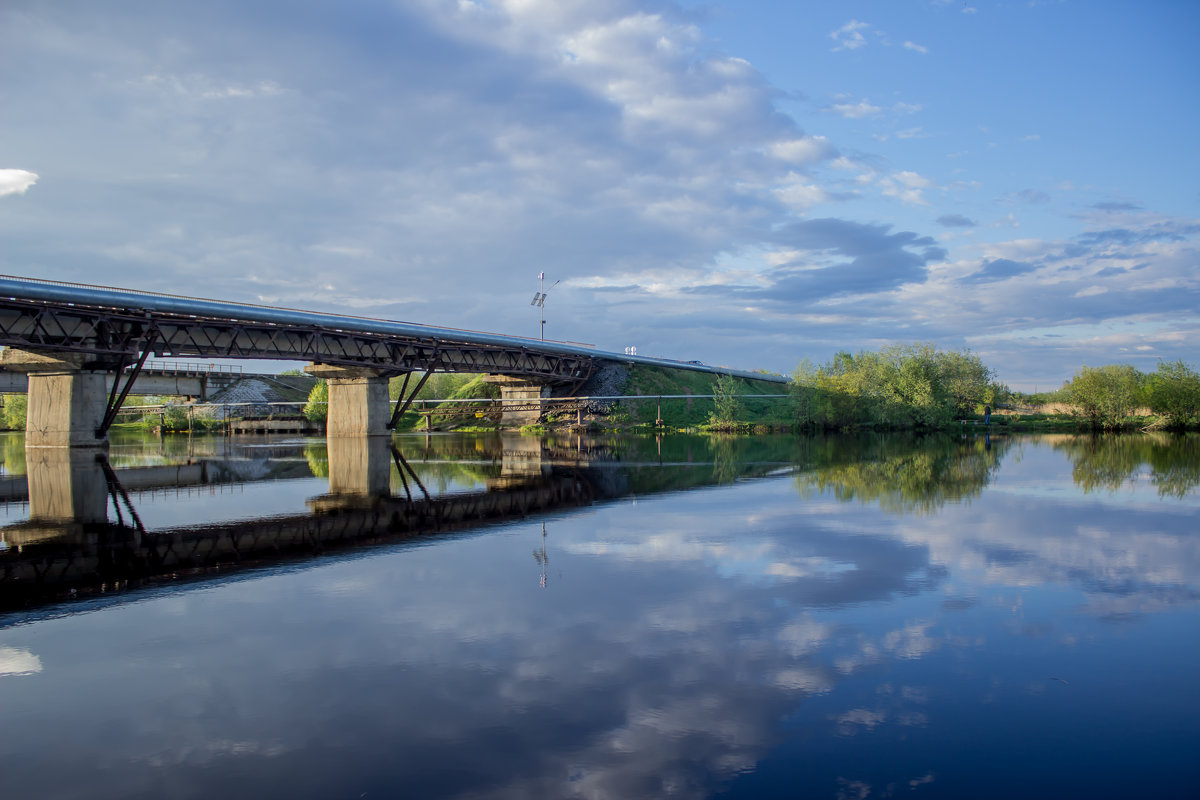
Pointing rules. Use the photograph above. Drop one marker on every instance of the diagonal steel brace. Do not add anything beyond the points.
(115, 398)
(402, 403)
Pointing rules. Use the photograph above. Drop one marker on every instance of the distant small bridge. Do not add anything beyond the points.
(194, 381)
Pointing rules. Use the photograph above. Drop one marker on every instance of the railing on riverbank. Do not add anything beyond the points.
(261, 416)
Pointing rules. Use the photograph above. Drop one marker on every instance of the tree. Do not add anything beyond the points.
(967, 382)
(1107, 395)
(317, 407)
(15, 406)
(1173, 391)
(725, 398)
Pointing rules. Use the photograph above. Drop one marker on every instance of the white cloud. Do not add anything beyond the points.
(856, 110)
(465, 143)
(16, 181)
(204, 87)
(799, 194)
(804, 150)
(906, 186)
(849, 36)
(916, 47)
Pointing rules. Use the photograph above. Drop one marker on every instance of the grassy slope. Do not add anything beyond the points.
(476, 387)
(644, 380)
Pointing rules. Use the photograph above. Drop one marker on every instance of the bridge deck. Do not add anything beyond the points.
(113, 325)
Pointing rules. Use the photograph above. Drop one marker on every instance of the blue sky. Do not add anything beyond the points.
(749, 183)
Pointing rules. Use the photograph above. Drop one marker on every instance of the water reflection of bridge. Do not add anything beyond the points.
(69, 546)
(92, 557)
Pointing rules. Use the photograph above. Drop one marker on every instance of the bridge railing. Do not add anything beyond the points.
(192, 368)
(671, 408)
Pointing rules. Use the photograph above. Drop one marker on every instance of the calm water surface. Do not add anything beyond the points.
(510, 617)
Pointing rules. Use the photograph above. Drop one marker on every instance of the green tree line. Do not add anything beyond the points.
(1107, 397)
(898, 387)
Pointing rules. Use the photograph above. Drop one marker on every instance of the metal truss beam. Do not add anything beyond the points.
(116, 336)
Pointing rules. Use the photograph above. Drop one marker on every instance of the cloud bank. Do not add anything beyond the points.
(426, 160)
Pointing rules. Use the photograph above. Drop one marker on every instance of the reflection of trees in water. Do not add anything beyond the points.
(900, 473)
(1109, 462)
(318, 460)
(13, 453)
(726, 460)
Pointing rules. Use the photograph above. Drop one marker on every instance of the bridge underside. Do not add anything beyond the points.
(111, 337)
(66, 348)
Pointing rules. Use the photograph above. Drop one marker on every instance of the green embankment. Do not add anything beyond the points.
(456, 415)
(690, 412)
(699, 411)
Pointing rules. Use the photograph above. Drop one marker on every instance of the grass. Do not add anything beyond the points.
(689, 413)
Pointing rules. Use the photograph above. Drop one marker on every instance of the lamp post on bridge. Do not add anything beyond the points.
(539, 300)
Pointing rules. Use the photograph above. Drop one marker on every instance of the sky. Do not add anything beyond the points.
(748, 183)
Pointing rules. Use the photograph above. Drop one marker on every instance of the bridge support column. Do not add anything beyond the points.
(66, 402)
(358, 400)
(522, 394)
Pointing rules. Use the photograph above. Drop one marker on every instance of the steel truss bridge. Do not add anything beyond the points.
(117, 327)
(116, 330)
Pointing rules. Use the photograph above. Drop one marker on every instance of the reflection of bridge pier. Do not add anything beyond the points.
(523, 459)
(66, 488)
(359, 466)
(67, 494)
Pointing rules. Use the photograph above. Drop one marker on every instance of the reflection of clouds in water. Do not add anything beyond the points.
(1139, 560)
(912, 641)
(659, 663)
(853, 790)
(664, 669)
(18, 662)
(756, 559)
(851, 722)
(212, 751)
(908, 642)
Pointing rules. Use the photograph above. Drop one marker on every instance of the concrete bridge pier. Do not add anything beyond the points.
(66, 402)
(358, 400)
(524, 393)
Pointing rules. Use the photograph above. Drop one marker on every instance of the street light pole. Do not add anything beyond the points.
(539, 300)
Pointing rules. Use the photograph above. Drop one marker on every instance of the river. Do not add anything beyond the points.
(487, 616)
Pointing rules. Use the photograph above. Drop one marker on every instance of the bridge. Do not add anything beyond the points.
(83, 348)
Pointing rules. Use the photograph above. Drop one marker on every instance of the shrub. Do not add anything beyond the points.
(902, 386)
(1173, 391)
(175, 418)
(15, 406)
(1107, 395)
(317, 407)
(725, 398)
